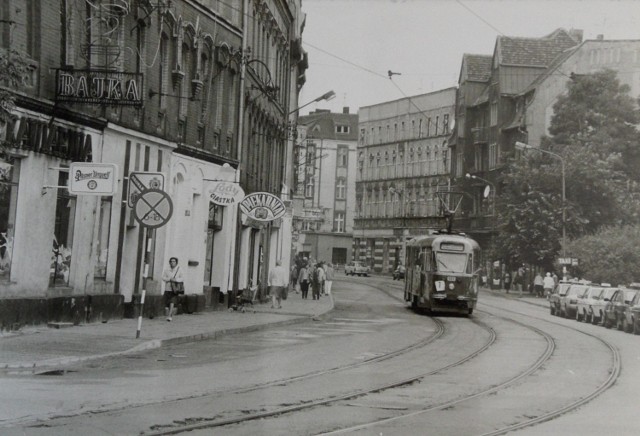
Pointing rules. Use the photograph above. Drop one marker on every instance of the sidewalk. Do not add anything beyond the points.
(41, 346)
(515, 295)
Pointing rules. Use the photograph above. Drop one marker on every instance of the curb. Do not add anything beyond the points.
(158, 343)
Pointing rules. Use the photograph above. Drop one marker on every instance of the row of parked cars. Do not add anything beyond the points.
(608, 306)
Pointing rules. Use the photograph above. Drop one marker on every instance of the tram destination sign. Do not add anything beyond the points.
(99, 87)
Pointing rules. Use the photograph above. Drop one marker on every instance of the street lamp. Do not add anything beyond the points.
(493, 191)
(522, 146)
(329, 95)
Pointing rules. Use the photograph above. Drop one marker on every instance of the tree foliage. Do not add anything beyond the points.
(594, 132)
(13, 73)
(609, 255)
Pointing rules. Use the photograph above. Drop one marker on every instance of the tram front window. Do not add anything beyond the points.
(451, 262)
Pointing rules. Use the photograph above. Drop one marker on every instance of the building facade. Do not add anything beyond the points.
(509, 96)
(164, 92)
(324, 196)
(403, 161)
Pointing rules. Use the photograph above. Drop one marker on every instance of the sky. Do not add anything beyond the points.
(353, 44)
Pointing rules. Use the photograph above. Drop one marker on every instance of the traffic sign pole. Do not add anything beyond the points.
(145, 274)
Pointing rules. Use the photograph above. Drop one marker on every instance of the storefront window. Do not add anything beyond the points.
(63, 234)
(103, 238)
(9, 172)
(214, 224)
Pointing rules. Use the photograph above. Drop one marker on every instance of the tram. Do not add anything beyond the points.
(442, 273)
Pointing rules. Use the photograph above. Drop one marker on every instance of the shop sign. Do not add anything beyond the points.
(40, 136)
(93, 178)
(99, 87)
(225, 193)
(262, 206)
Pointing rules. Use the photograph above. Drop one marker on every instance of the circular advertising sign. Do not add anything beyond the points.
(225, 193)
(262, 206)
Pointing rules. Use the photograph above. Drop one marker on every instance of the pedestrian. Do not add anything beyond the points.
(538, 285)
(317, 282)
(507, 281)
(555, 279)
(328, 279)
(549, 283)
(518, 280)
(303, 280)
(277, 281)
(174, 286)
(293, 278)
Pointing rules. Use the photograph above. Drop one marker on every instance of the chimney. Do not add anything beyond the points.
(345, 109)
(576, 34)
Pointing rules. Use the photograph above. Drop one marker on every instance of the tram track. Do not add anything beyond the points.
(614, 373)
(492, 336)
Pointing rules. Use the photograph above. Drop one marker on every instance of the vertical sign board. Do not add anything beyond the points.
(142, 181)
(93, 178)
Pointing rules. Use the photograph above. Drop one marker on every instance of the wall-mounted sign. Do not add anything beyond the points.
(225, 193)
(93, 178)
(262, 206)
(140, 181)
(99, 87)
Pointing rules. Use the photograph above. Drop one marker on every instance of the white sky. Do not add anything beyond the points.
(353, 43)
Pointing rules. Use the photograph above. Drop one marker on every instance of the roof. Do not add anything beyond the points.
(321, 125)
(478, 67)
(533, 52)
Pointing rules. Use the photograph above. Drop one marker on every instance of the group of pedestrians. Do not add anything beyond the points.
(315, 277)
(542, 286)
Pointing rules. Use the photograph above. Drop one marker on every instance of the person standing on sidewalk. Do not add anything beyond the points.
(507, 281)
(548, 284)
(538, 285)
(293, 278)
(328, 279)
(278, 280)
(303, 280)
(318, 281)
(174, 286)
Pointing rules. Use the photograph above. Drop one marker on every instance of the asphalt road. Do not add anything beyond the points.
(372, 367)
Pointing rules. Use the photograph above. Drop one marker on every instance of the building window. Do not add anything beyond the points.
(63, 234)
(459, 161)
(494, 114)
(445, 124)
(493, 155)
(342, 129)
(341, 189)
(342, 156)
(338, 222)
(362, 137)
(437, 124)
(9, 176)
(308, 190)
(102, 247)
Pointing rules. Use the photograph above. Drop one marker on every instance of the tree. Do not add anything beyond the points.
(13, 73)
(610, 255)
(594, 131)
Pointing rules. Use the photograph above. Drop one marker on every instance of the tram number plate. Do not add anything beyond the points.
(451, 279)
(439, 285)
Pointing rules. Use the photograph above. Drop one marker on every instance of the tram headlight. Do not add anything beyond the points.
(452, 286)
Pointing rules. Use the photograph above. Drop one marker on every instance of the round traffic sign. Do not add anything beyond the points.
(153, 208)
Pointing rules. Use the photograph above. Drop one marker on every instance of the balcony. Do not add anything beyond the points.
(480, 135)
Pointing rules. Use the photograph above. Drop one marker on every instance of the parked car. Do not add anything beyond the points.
(631, 321)
(584, 308)
(614, 310)
(356, 268)
(599, 305)
(569, 302)
(398, 274)
(558, 292)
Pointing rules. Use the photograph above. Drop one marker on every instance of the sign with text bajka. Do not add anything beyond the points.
(93, 178)
(141, 181)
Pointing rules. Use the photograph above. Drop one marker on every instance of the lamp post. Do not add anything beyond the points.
(329, 95)
(523, 146)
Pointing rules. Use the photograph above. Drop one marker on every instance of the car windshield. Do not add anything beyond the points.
(451, 262)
